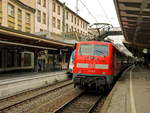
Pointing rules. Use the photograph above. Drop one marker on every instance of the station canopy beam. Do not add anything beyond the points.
(17, 38)
(134, 18)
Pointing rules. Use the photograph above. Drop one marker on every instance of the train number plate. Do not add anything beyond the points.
(91, 66)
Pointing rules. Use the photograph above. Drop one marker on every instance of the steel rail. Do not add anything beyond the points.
(32, 97)
(60, 109)
(67, 103)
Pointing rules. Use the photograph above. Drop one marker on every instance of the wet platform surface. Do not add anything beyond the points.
(131, 94)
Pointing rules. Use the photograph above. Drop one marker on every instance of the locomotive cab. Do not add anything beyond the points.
(93, 65)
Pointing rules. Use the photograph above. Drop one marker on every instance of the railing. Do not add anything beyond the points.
(77, 36)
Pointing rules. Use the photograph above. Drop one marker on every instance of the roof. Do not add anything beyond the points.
(62, 4)
(24, 5)
(14, 36)
(134, 18)
(95, 42)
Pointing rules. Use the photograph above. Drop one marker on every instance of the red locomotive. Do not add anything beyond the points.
(96, 64)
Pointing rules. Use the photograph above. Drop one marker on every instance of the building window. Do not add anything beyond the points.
(54, 7)
(38, 15)
(83, 25)
(58, 24)
(19, 19)
(19, 15)
(67, 15)
(44, 18)
(71, 18)
(54, 22)
(28, 17)
(78, 22)
(44, 3)
(41, 30)
(11, 10)
(39, 2)
(66, 27)
(28, 22)
(75, 20)
(72, 28)
(86, 27)
(58, 8)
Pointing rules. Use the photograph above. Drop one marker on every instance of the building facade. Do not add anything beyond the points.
(25, 19)
(63, 21)
(41, 16)
(17, 15)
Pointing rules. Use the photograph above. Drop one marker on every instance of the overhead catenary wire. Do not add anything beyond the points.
(103, 10)
(88, 11)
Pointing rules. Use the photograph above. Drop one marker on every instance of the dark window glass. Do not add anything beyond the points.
(27, 59)
(18, 59)
(93, 50)
(10, 61)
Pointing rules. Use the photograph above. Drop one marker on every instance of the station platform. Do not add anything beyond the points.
(14, 83)
(131, 93)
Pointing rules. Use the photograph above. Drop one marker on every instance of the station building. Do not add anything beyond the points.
(65, 23)
(17, 15)
(20, 48)
(54, 20)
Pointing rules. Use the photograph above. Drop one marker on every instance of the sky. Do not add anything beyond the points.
(103, 11)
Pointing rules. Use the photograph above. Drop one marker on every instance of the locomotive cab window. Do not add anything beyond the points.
(93, 50)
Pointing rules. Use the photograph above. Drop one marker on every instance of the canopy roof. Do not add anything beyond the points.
(134, 17)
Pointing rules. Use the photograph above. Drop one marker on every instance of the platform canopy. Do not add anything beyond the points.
(17, 38)
(134, 18)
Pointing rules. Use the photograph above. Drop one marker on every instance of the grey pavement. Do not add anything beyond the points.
(17, 83)
(131, 94)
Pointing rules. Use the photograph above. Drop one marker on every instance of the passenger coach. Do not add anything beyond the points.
(96, 64)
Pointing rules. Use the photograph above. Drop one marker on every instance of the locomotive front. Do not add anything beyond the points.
(92, 65)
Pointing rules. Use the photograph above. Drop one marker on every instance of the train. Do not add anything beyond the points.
(96, 65)
(71, 65)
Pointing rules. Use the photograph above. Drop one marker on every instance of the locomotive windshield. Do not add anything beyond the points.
(93, 50)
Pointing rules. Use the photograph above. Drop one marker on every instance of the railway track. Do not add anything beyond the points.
(84, 103)
(16, 100)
